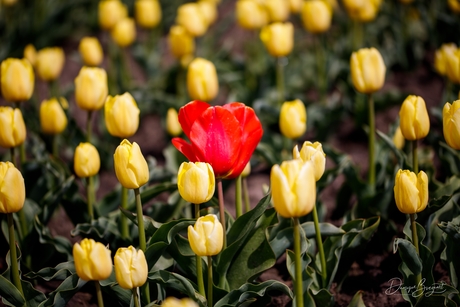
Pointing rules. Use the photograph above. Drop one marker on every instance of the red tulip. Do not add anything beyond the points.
(223, 136)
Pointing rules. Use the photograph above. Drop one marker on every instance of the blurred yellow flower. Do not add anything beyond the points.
(17, 79)
(110, 12)
(124, 32)
(52, 117)
(12, 127)
(441, 57)
(251, 14)
(121, 115)
(206, 236)
(181, 43)
(208, 10)
(413, 118)
(131, 168)
(411, 191)
(50, 62)
(86, 161)
(451, 124)
(362, 10)
(454, 6)
(175, 302)
(12, 188)
(202, 82)
(278, 38)
(367, 70)
(278, 10)
(190, 16)
(316, 16)
(91, 51)
(147, 13)
(398, 138)
(30, 53)
(295, 6)
(92, 260)
(91, 88)
(130, 267)
(173, 126)
(293, 119)
(453, 64)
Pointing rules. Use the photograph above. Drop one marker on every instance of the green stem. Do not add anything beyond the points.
(135, 297)
(55, 145)
(298, 264)
(220, 193)
(100, 301)
(418, 278)
(142, 241)
(357, 35)
(210, 283)
(88, 126)
(319, 243)
(54, 88)
(320, 61)
(90, 196)
(123, 219)
(414, 157)
(280, 79)
(199, 265)
(238, 197)
(371, 143)
(14, 258)
(246, 195)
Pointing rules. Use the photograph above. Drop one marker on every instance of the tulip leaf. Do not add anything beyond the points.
(61, 244)
(102, 228)
(65, 291)
(60, 272)
(32, 295)
(449, 255)
(408, 255)
(10, 294)
(111, 287)
(357, 300)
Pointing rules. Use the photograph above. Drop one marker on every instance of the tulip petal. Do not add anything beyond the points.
(189, 114)
(185, 148)
(196, 242)
(282, 196)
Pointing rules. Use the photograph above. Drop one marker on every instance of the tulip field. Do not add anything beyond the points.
(229, 153)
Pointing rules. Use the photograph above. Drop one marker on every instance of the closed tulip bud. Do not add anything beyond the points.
(251, 14)
(414, 120)
(131, 168)
(92, 260)
(206, 236)
(451, 124)
(86, 162)
(362, 10)
(398, 139)
(441, 58)
(52, 117)
(278, 38)
(110, 12)
(278, 10)
(147, 13)
(17, 79)
(295, 6)
(202, 82)
(196, 182)
(367, 70)
(293, 119)
(124, 32)
(130, 267)
(91, 51)
(180, 42)
(12, 127)
(293, 188)
(208, 11)
(30, 53)
(454, 6)
(50, 62)
(121, 115)
(12, 188)
(316, 16)
(411, 191)
(247, 170)
(173, 126)
(312, 152)
(91, 88)
(175, 302)
(453, 65)
(191, 18)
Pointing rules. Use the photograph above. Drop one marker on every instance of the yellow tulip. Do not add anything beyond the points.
(293, 119)
(454, 6)
(9, 2)
(278, 10)
(124, 32)
(206, 236)
(173, 126)
(312, 152)
(398, 138)
(251, 14)
(441, 57)
(202, 82)
(278, 38)
(295, 6)
(52, 117)
(12, 127)
(17, 79)
(121, 115)
(247, 170)
(196, 182)
(50, 62)
(190, 16)
(175, 302)
(92, 260)
(451, 124)
(131, 168)
(86, 160)
(110, 12)
(293, 188)
(30, 53)
(208, 10)
(411, 191)
(147, 13)
(12, 188)
(414, 120)
(453, 64)
(91, 51)
(130, 267)
(180, 42)
(362, 10)
(91, 88)
(367, 70)
(316, 16)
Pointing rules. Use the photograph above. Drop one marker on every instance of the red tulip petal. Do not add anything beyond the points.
(216, 139)
(185, 148)
(189, 113)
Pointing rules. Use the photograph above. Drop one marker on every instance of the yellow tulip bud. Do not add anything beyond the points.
(86, 162)
(180, 42)
(453, 64)
(190, 16)
(121, 115)
(247, 170)
(175, 302)
(91, 88)
(278, 10)
(312, 152)
(110, 12)
(50, 62)
(202, 82)
(278, 38)
(52, 117)
(30, 53)
(367, 70)
(173, 126)
(92, 260)
(12, 127)
(17, 79)
(451, 124)
(362, 10)
(293, 188)
(398, 139)
(441, 58)
(196, 182)
(251, 14)
(206, 237)
(208, 11)
(295, 6)
(414, 120)
(9, 2)
(12, 188)
(130, 267)
(316, 16)
(124, 32)
(130, 166)
(91, 51)
(411, 191)
(454, 6)
(147, 13)
(293, 119)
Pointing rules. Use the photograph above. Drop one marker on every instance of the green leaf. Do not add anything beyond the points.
(10, 293)
(65, 291)
(32, 295)
(451, 252)
(102, 228)
(61, 244)
(357, 300)
(408, 255)
(60, 272)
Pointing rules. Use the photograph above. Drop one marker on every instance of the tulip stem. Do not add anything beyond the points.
(199, 266)
(418, 278)
(100, 301)
(135, 297)
(371, 144)
(123, 219)
(90, 196)
(210, 283)
(142, 242)
(319, 243)
(238, 197)
(54, 88)
(298, 264)
(357, 35)
(280, 78)
(220, 192)
(414, 157)
(55, 150)
(13, 255)
(88, 126)
(246, 195)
